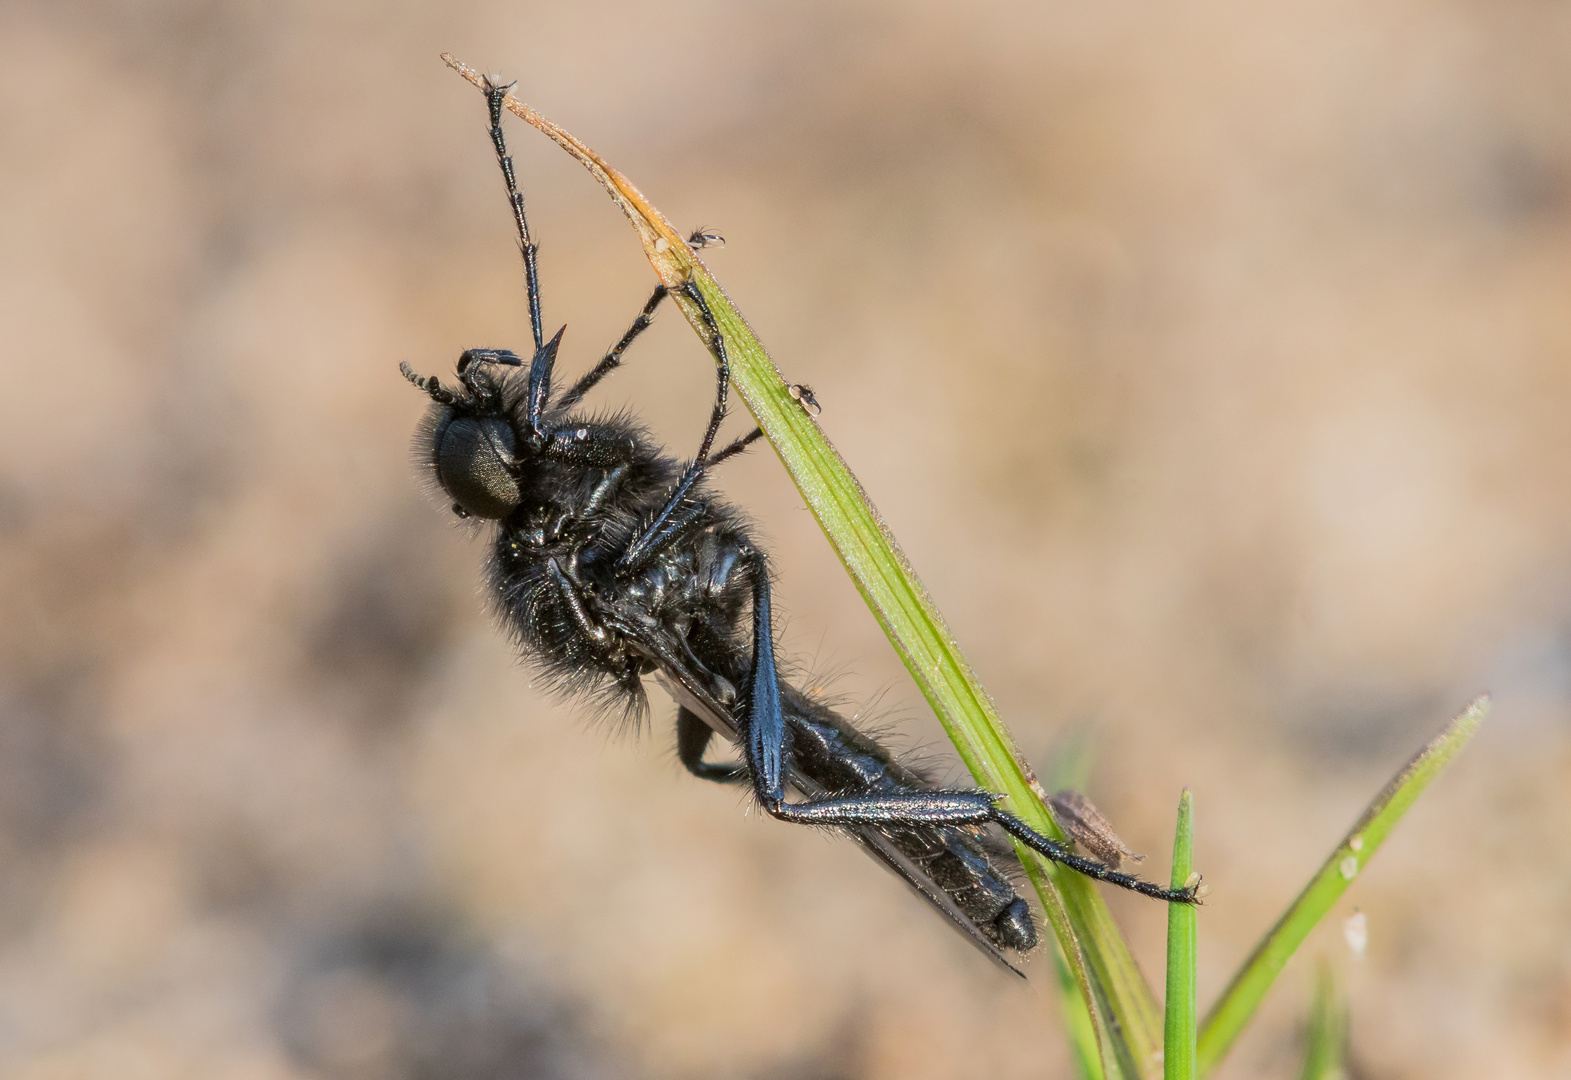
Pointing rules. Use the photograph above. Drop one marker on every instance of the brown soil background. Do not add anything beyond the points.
(1211, 361)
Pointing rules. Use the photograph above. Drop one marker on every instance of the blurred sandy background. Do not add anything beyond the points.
(1212, 362)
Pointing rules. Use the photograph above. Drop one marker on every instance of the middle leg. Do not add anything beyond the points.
(692, 739)
(680, 512)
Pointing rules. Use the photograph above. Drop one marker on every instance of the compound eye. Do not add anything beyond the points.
(473, 458)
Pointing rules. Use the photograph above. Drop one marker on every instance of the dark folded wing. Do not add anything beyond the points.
(690, 689)
(917, 880)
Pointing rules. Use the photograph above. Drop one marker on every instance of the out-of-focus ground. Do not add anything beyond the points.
(1212, 362)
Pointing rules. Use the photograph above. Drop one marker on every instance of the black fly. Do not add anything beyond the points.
(613, 561)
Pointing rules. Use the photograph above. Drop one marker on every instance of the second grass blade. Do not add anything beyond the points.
(1248, 987)
(1326, 1041)
(1178, 1041)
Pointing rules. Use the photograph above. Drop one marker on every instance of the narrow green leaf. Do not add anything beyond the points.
(1248, 987)
(1078, 1025)
(897, 600)
(1178, 1043)
(1070, 767)
(1096, 1049)
(1136, 1019)
(1327, 1038)
(1121, 987)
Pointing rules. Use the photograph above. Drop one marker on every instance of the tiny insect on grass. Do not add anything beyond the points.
(1083, 823)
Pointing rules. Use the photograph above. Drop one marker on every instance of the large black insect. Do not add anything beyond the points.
(613, 561)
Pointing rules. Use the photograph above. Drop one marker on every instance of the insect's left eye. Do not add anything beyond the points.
(474, 458)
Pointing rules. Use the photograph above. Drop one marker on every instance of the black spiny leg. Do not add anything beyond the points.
(494, 97)
(575, 604)
(722, 371)
(470, 357)
(767, 746)
(613, 359)
(692, 739)
(737, 445)
(679, 513)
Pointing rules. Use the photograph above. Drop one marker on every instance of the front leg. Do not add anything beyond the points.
(623, 666)
(665, 529)
(575, 604)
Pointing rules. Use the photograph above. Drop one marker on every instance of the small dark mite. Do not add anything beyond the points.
(613, 561)
(702, 238)
(802, 394)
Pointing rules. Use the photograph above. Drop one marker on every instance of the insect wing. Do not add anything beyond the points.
(689, 690)
(917, 880)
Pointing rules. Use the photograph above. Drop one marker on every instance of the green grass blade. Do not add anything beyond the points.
(1121, 988)
(1097, 1052)
(1327, 1039)
(896, 598)
(1070, 767)
(1084, 1045)
(1248, 987)
(1178, 1042)
(1137, 1020)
